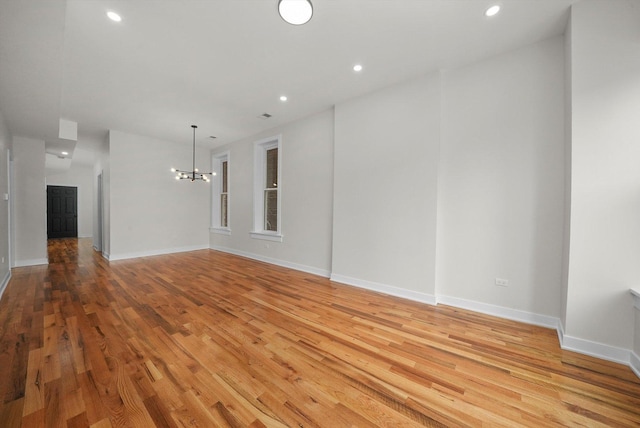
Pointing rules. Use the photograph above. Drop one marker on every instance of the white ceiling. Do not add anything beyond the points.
(222, 63)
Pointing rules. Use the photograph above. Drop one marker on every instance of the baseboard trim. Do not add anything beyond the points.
(417, 296)
(290, 265)
(31, 262)
(560, 332)
(501, 311)
(596, 349)
(634, 363)
(135, 255)
(5, 282)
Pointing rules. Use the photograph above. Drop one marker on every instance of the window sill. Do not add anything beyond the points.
(267, 236)
(220, 230)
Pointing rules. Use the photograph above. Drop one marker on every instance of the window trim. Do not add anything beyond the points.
(216, 190)
(260, 148)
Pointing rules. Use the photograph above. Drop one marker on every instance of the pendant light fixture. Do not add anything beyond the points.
(295, 12)
(194, 174)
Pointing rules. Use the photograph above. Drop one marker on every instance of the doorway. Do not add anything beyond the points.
(62, 212)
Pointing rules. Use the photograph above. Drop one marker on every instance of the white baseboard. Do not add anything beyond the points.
(635, 363)
(134, 255)
(417, 296)
(290, 265)
(560, 332)
(31, 262)
(501, 311)
(5, 282)
(596, 349)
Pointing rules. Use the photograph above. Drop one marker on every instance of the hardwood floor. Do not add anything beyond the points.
(205, 339)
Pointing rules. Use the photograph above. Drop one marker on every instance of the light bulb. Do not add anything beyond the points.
(173, 170)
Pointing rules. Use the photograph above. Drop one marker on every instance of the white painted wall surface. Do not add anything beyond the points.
(102, 166)
(79, 176)
(501, 183)
(636, 332)
(385, 192)
(566, 239)
(5, 143)
(605, 198)
(306, 192)
(30, 202)
(150, 211)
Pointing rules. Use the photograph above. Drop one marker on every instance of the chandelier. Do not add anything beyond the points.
(194, 174)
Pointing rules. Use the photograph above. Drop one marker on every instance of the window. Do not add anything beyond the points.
(224, 196)
(267, 190)
(271, 191)
(220, 194)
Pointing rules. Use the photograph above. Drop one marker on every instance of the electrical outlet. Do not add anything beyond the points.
(501, 282)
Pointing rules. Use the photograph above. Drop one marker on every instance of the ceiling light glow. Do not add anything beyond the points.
(295, 12)
(114, 16)
(357, 67)
(283, 98)
(65, 153)
(492, 11)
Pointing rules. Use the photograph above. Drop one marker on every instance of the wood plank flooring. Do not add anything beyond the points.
(207, 339)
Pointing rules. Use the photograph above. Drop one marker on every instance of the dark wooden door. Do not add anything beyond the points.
(62, 212)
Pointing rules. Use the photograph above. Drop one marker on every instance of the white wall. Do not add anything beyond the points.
(501, 183)
(635, 358)
(79, 176)
(5, 269)
(567, 173)
(604, 258)
(306, 193)
(385, 189)
(30, 205)
(102, 166)
(150, 211)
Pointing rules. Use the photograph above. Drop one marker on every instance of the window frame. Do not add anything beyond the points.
(217, 161)
(259, 187)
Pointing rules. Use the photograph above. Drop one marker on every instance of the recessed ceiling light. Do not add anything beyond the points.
(492, 11)
(357, 67)
(114, 16)
(65, 153)
(296, 12)
(283, 98)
